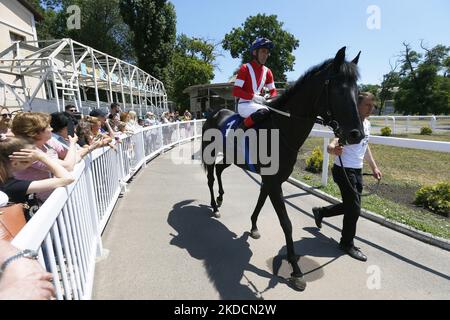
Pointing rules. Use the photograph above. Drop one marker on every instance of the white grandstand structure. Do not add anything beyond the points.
(47, 75)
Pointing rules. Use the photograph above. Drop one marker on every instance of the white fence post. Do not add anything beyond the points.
(326, 159)
(123, 174)
(178, 133)
(394, 128)
(407, 123)
(162, 139)
(142, 140)
(93, 205)
(433, 123)
(195, 129)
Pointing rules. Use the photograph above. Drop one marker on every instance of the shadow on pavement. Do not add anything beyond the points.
(376, 246)
(317, 246)
(225, 255)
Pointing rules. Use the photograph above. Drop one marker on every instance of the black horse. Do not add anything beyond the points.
(328, 90)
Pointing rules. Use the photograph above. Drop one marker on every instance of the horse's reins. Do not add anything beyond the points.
(351, 186)
(334, 125)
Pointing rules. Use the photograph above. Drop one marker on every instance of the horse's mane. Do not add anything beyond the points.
(348, 72)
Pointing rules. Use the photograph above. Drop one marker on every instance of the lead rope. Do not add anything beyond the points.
(351, 186)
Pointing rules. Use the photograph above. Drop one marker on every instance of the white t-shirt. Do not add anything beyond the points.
(353, 154)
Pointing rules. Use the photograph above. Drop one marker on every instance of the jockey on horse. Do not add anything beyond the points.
(249, 84)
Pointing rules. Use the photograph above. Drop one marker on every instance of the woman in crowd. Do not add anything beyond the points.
(133, 120)
(124, 126)
(97, 135)
(36, 127)
(18, 154)
(88, 131)
(187, 116)
(60, 124)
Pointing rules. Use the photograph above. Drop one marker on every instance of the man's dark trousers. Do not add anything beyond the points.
(351, 202)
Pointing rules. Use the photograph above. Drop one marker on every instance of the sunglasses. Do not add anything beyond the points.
(6, 115)
(73, 110)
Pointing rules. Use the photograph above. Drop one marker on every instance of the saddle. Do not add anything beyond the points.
(233, 123)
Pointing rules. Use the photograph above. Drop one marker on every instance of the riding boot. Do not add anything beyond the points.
(246, 123)
(255, 118)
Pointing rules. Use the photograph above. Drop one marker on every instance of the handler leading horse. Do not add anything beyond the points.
(328, 90)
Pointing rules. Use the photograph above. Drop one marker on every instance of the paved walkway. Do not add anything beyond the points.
(165, 244)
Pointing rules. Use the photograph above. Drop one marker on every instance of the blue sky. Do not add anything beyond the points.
(322, 27)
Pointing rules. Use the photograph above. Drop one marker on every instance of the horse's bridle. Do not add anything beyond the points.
(335, 126)
(327, 120)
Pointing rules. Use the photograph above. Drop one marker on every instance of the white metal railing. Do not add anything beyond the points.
(67, 229)
(390, 141)
(410, 124)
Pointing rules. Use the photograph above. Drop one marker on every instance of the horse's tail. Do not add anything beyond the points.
(204, 143)
(209, 123)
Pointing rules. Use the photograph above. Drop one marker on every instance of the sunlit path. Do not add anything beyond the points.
(164, 244)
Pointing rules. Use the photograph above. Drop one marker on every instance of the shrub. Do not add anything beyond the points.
(426, 131)
(436, 198)
(314, 162)
(386, 131)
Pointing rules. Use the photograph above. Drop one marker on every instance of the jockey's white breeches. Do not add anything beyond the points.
(247, 108)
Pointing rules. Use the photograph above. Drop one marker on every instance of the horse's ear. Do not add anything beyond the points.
(355, 61)
(339, 59)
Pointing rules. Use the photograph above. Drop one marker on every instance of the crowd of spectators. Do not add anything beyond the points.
(32, 140)
(39, 151)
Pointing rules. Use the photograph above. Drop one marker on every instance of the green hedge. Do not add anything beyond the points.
(386, 131)
(314, 162)
(426, 131)
(436, 198)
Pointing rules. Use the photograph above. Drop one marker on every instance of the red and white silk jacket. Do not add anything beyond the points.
(251, 79)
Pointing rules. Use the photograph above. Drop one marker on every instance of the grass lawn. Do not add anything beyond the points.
(444, 136)
(404, 172)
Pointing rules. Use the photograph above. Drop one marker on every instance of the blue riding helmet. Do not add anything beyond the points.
(261, 43)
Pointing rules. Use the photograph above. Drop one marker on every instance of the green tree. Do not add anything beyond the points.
(436, 56)
(37, 5)
(422, 88)
(282, 60)
(446, 65)
(153, 23)
(390, 81)
(372, 88)
(192, 64)
(51, 26)
(102, 27)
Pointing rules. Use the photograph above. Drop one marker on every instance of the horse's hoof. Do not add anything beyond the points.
(255, 234)
(299, 283)
(216, 214)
